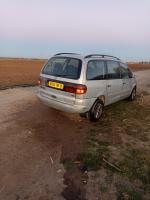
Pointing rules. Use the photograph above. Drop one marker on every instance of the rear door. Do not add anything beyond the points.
(96, 78)
(126, 81)
(114, 81)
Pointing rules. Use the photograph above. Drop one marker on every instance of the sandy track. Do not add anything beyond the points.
(26, 168)
(30, 135)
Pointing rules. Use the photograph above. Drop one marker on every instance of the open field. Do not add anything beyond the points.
(139, 67)
(19, 71)
(51, 155)
(26, 71)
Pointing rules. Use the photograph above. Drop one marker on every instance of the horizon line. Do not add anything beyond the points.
(38, 58)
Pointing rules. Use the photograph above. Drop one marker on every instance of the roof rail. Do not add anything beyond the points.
(65, 53)
(97, 55)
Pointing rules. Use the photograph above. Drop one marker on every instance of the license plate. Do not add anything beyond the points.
(56, 85)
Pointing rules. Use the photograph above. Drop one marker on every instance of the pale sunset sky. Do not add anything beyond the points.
(41, 28)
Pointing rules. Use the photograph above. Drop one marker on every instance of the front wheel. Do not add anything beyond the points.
(132, 95)
(96, 111)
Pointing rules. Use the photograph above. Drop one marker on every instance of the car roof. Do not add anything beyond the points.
(70, 55)
(88, 57)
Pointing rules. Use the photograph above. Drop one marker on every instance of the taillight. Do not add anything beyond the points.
(41, 82)
(76, 89)
(81, 90)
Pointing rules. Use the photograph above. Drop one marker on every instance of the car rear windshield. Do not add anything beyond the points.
(63, 67)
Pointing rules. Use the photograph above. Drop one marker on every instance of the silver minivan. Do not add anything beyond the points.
(85, 84)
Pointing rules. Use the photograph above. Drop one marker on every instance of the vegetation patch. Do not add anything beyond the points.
(119, 144)
(94, 150)
(136, 165)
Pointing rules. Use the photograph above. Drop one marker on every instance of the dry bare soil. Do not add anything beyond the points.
(51, 155)
(19, 72)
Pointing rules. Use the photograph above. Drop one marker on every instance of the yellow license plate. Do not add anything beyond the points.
(56, 85)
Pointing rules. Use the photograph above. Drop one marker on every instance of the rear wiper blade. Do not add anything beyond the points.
(67, 75)
(63, 75)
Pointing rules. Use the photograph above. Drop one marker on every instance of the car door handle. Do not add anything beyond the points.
(124, 83)
(108, 85)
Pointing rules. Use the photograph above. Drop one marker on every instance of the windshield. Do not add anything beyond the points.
(63, 67)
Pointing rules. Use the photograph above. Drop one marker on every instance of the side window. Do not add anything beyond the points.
(96, 70)
(113, 70)
(124, 70)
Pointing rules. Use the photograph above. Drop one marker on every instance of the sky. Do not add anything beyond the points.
(39, 29)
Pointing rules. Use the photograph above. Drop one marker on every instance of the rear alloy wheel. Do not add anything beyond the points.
(133, 95)
(96, 111)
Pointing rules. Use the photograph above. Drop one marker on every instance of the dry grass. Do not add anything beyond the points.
(122, 137)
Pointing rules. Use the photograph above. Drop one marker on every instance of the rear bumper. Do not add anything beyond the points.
(80, 106)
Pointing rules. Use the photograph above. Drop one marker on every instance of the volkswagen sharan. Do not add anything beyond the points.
(85, 84)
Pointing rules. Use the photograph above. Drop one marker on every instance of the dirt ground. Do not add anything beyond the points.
(33, 139)
(26, 71)
(38, 147)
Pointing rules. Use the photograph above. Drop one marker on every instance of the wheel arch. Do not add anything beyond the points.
(102, 98)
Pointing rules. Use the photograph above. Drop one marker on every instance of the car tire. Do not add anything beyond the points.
(132, 96)
(96, 111)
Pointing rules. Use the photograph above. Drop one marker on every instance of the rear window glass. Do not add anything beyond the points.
(63, 67)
